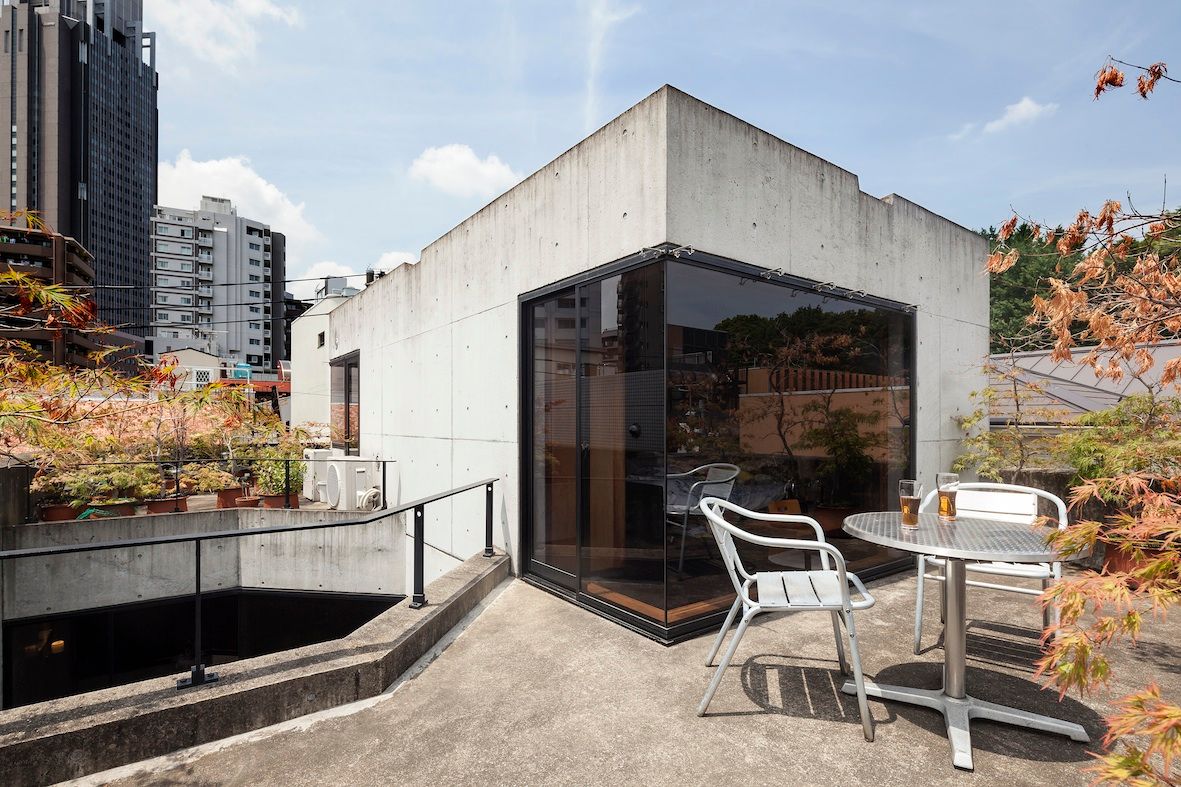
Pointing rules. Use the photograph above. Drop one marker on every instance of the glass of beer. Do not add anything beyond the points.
(948, 484)
(910, 494)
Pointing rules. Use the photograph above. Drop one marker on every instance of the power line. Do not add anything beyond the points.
(216, 284)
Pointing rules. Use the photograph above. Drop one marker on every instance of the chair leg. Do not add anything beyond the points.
(921, 561)
(721, 670)
(709, 660)
(836, 629)
(859, 678)
(684, 538)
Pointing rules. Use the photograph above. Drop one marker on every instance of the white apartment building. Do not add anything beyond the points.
(216, 284)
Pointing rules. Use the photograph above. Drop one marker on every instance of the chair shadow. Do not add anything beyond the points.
(998, 644)
(796, 687)
(995, 737)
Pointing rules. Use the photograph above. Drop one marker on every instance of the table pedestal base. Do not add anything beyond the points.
(958, 712)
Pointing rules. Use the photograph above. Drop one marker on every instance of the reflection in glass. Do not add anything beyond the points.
(622, 412)
(553, 481)
(808, 395)
(778, 398)
(345, 404)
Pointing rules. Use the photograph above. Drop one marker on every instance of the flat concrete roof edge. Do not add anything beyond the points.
(44, 743)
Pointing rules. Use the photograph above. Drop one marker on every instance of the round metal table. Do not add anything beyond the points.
(966, 539)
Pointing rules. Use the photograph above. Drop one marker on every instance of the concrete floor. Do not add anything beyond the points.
(537, 691)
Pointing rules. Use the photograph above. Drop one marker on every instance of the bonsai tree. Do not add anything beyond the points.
(105, 484)
(208, 477)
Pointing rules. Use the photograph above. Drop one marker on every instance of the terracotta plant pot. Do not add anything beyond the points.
(58, 512)
(226, 497)
(115, 509)
(167, 505)
(247, 502)
(280, 501)
(1114, 560)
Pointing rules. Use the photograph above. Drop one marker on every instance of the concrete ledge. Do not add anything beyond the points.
(74, 736)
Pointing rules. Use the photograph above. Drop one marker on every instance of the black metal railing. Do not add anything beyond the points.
(198, 674)
(238, 466)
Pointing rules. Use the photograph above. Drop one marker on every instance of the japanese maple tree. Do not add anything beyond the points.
(1120, 295)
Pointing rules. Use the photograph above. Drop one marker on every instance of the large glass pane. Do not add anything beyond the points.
(807, 395)
(353, 414)
(553, 455)
(622, 418)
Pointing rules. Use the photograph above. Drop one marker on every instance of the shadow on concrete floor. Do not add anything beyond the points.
(798, 687)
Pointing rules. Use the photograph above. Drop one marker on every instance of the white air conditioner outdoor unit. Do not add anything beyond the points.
(315, 477)
(349, 481)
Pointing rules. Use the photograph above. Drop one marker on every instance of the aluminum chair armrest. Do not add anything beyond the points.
(869, 600)
(795, 519)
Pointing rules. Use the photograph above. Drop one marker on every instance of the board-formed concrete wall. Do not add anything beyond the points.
(439, 341)
(360, 559)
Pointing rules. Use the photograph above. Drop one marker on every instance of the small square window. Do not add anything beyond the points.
(320, 339)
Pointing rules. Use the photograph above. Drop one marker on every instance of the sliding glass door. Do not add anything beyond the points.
(621, 418)
(552, 469)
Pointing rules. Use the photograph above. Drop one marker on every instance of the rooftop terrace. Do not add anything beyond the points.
(535, 690)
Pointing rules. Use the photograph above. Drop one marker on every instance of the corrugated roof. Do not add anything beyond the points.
(1070, 388)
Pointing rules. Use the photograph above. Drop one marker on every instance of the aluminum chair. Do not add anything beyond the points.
(1006, 503)
(717, 480)
(825, 590)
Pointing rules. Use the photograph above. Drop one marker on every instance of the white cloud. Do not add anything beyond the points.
(1024, 111)
(457, 170)
(307, 289)
(392, 259)
(221, 32)
(183, 182)
(601, 16)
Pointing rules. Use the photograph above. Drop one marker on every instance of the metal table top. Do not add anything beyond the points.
(967, 538)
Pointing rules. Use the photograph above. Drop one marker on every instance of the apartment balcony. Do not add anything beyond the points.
(266, 255)
(205, 307)
(204, 257)
(205, 272)
(206, 291)
(204, 240)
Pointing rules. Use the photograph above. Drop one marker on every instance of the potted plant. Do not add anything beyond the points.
(50, 485)
(113, 488)
(208, 478)
(278, 479)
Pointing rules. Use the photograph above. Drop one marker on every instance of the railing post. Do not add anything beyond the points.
(287, 483)
(29, 475)
(383, 503)
(419, 598)
(488, 520)
(197, 676)
(176, 489)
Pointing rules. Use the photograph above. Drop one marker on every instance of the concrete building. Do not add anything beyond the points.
(217, 284)
(53, 259)
(78, 91)
(678, 290)
(312, 349)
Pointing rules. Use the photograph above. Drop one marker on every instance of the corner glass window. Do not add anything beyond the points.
(345, 415)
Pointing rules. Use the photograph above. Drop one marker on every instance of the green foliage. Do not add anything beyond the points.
(207, 477)
(111, 483)
(1013, 290)
(1140, 434)
(280, 473)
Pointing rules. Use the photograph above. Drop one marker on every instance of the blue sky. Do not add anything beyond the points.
(366, 130)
